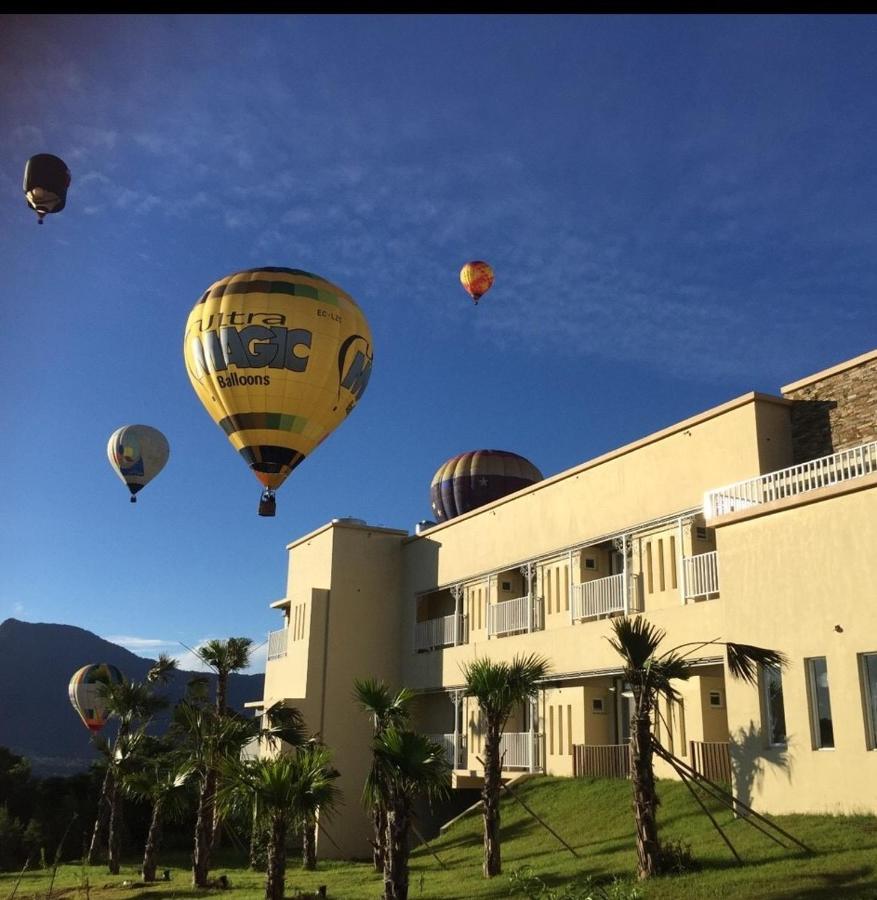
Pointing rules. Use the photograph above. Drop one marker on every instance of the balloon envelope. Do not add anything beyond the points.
(279, 357)
(46, 179)
(477, 278)
(472, 479)
(86, 694)
(137, 454)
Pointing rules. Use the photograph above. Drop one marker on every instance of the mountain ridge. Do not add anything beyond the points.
(37, 660)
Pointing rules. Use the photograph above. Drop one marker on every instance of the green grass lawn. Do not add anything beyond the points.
(594, 816)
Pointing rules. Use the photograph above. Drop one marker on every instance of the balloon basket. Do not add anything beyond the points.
(267, 504)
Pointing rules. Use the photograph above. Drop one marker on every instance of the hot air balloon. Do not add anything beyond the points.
(279, 357)
(477, 278)
(86, 694)
(137, 454)
(46, 179)
(472, 479)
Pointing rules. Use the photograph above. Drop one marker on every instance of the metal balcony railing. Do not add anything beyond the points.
(701, 575)
(444, 631)
(600, 597)
(277, 641)
(513, 616)
(456, 754)
(517, 749)
(808, 476)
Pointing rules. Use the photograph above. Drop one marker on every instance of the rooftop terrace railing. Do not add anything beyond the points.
(809, 476)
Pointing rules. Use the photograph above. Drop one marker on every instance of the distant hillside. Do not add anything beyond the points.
(36, 718)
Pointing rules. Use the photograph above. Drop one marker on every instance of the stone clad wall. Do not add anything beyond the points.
(836, 409)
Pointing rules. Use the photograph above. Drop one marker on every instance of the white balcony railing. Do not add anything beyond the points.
(701, 575)
(511, 616)
(517, 749)
(808, 476)
(456, 755)
(277, 643)
(600, 597)
(445, 631)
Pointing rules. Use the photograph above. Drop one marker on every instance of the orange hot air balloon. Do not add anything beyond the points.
(477, 278)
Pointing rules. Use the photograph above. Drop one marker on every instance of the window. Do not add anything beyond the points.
(590, 562)
(820, 703)
(597, 705)
(716, 699)
(772, 700)
(869, 683)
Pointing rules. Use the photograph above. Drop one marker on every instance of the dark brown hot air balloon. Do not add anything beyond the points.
(477, 477)
(46, 179)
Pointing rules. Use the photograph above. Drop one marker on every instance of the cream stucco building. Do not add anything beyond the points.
(755, 522)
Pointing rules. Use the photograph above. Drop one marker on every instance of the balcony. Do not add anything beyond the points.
(454, 750)
(700, 575)
(521, 750)
(809, 476)
(277, 643)
(598, 598)
(444, 631)
(515, 616)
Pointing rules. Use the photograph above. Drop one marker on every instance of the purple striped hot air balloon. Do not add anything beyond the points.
(472, 479)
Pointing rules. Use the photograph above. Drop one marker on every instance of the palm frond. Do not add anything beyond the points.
(635, 639)
(745, 660)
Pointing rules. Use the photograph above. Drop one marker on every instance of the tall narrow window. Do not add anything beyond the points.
(661, 563)
(649, 576)
(869, 682)
(820, 703)
(774, 710)
(566, 588)
(673, 562)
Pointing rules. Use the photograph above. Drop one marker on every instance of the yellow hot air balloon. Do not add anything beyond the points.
(279, 357)
(477, 278)
(137, 454)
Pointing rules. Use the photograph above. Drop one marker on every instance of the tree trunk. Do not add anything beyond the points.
(102, 818)
(153, 841)
(379, 824)
(114, 838)
(255, 837)
(645, 797)
(221, 691)
(309, 845)
(275, 876)
(204, 830)
(490, 798)
(396, 850)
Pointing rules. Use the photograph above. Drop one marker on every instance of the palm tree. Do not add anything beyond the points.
(133, 703)
(154, 778)
(387, 711)
(318, 795)
(499, 688)
(405, 765)
(208, 740)
(290, 790)
(225, 657)
(651, 675)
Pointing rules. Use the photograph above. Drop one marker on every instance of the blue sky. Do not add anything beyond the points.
(678, 209)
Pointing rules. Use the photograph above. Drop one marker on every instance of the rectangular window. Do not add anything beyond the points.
(661, 563)
(569, 729)
(820, 703)
(869, 683)
(774, 710)
(597, 705)
(649, 577)
(551, 730)
(673, 562)
(560, 729)
(566, 587)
